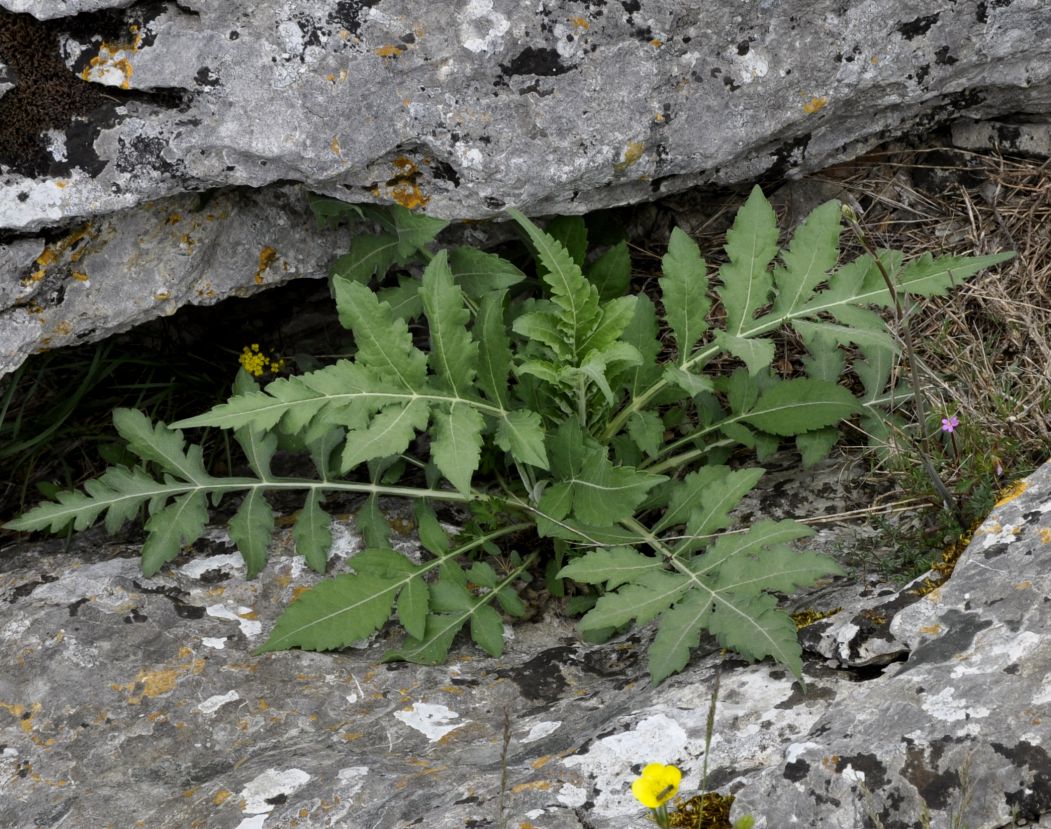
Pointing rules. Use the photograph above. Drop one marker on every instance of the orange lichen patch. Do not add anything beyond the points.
(80, 276)
(221, 796)
(351, 736)
(330, 77)
(534, 786)
(1024, 585)
(581, 23)
(408, 195)
(162, 296)
(173, 219)
(114, 57)
(805, 618)
(334, 146)
(251, 615)
(53, 252)
(266, 258)
(815, 104)
(540, 762)
(525, 824)
(656, 43)
(659, 118)
(389, 51)
(60, 183)
(46, 257)
(931, 630)
(189, 792)
(22, 714)
(156, 683)
(62, 328)
(1045, 535)
(344, 34)
(1012, 492)
(299, 591)
(632, 153)
(874, 60)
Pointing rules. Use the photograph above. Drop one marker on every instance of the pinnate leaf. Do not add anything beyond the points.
(454, 354)
(457, 444)
(792, 407)
(751, 245)
(251, 529)
(684, 290)
(169, 530)
(313, 532)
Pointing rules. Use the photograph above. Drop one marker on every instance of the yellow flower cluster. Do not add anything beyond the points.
(257, 363)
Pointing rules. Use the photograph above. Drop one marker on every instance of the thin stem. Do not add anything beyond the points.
(680, 460)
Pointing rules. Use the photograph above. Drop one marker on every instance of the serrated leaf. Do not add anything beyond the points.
(717, 499)
(118, 492)
(384, 563)
(792, 407)
(687, 496)
(160, 444)
(482, 573)
(521, 432)
(433, 648)
(811, 254)
(755, 628)
(933, 276)
(389, 433)
(372, 523)
(449, 596)
(403, 298)
(576, 298)
(692, 384)
(510, 602)
(874, 371)
(684, 292)
(815, 446)
(647, 430)
(369, 256)
(335, 613)
(479, 273)
(412, 230)
(750, 543)
(494, 359)
(487, 630)
(384, 342)
(454, 353)
(641, 333)
(756, 354)
(615, 317)
(612, 566)
(313, 532)
(170, 529)
(751, 245)
(251, 529)
(844, 335)
(825, 361)
(429, 529)
(330, 212)
(776, 568)
(678, 633)
(611, 272)
(742, 391)
(543, 327)
(572, 233)
(457, 444)
(413, 603)
(596, 491)
(642, 600)
(259, 448)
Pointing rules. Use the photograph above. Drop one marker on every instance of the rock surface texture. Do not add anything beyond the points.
(460, 110)
(128, 699)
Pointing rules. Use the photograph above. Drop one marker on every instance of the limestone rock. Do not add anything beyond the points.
(7, 79)
(113, 272)
(45, 9)
(125, 697)
(1028, 138)
(549, 109)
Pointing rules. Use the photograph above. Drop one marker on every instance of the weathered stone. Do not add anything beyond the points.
(552, 110)
(7, 78)
(45, 9)
(1028, 138)
(130, 698)
(119, 270)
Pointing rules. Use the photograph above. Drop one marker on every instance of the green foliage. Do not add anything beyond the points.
(546, 407)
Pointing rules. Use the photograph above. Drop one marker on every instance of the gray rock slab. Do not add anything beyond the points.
(46, 9)
(552, 109)
(116, 271)
(7, 78)
(130, 698)
(1028, 138)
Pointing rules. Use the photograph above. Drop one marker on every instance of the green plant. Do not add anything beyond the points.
(551, 406)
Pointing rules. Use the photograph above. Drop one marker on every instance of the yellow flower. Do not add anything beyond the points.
(657, 785)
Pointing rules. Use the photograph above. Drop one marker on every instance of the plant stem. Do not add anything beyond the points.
(918, 398)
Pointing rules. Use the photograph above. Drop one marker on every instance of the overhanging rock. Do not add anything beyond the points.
(464, 110)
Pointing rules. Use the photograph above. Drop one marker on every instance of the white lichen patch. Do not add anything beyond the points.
(431, 720)
(797, 750)
(229, 562)
(481, 28)
(253, 822)
(572, 796)
(541, 730)
(944, 706)
(752, 66)
(249, 627)
(270, 785)
(216, 642)
(214, 703)
(654, 739)
(351, 780)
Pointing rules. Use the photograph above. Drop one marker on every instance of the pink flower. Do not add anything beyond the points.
(949, 424)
